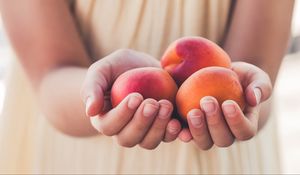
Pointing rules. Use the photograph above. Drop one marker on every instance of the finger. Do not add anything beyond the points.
(172, 131)
(185, 135)
(258, 91)
(218, 129)
(243, 128)
(136, 129)
(157, 131)
(93, 99)
(256, 82)
(94, 86)
(199, 130)
(113, 121)
(122, 57)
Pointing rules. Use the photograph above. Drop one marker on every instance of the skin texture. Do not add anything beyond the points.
(221, 83)
(149, 82)
(187, 55)
(258, 33)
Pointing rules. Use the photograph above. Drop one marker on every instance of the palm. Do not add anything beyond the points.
(135, 120)
(104, 72)
(118, 63)
(228, 122)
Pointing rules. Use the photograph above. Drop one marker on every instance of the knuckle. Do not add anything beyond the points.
(246, 136)
(168, 138)
(125, 142)
(206, 146)
(148, 146)
(108, 131)
(203, 142)
(224, 144)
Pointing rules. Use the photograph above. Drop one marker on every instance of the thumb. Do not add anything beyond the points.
(257, 83)
(259, 90)
(93, 90)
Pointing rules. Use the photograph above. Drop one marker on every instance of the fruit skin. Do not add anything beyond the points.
(218, 82)
(150, 82)
(189, 54)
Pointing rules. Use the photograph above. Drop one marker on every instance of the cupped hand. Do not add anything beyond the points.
(214, 124)
(135, 121)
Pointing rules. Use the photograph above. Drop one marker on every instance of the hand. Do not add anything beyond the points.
(212, 124)
(135, 120)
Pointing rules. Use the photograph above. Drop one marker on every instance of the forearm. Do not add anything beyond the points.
(45, 39)
(259, 33)
(59, 96)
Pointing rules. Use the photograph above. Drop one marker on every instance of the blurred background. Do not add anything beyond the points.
(286, 95)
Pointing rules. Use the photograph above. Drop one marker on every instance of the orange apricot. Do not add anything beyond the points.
(218, 82)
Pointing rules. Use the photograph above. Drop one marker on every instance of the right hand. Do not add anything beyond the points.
(135, 121)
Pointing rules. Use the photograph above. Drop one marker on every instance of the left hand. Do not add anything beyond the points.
(221, 125)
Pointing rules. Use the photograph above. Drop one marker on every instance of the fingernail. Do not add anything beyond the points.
(257, 94)
(208, 105)
(149, 110)
(164, 112)
(229, 108)
(195, 117)
(88, 105)
(133, 102)
(172, 130)
(196, 121)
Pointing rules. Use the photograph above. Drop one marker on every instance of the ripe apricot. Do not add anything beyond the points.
(150, 82)
(189, 54)
(219, 82)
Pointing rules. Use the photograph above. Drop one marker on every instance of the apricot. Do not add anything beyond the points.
(150, 82)
(219, 82)
(189, 54)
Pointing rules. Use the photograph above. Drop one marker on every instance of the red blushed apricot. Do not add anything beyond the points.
(189, 54)
(150, 82)
(221, 83)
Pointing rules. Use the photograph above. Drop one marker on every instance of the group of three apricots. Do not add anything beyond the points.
(196, 65)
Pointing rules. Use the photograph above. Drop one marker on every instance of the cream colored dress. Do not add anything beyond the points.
(28, 144)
